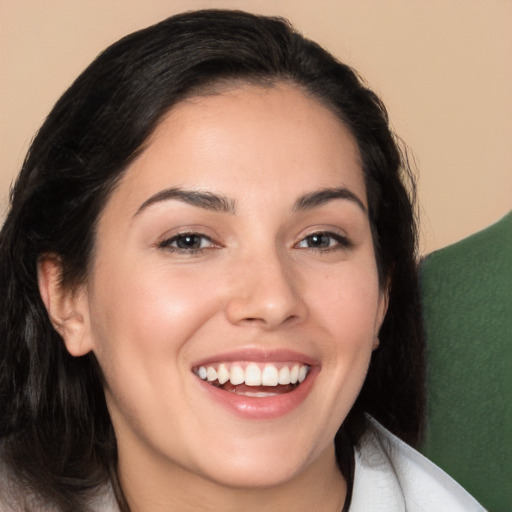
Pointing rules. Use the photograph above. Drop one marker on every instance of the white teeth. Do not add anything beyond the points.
(211, 374)
(270, 376)
(237, 375)
(284, 376)
(257, 394)
(201, 372)
(294, 374)
(254, 374)
(223, 374)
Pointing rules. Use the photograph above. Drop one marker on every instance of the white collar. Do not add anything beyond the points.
(390, 476)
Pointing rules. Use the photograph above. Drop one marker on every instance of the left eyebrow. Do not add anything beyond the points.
(206, 200)
(320, 197)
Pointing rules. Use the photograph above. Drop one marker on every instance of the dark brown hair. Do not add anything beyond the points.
(57, 435)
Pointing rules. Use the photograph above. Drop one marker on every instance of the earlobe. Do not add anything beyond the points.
(67, 308)
(384, 305)
(383, 308)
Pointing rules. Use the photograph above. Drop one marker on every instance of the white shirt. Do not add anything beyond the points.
(390, 476)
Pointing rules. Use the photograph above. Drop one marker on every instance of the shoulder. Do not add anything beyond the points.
(13, 495)
(7, 487)
(105, 500)
(16, 498)
(392, 476)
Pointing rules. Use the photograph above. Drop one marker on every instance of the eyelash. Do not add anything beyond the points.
(340, 242)
(167, 243)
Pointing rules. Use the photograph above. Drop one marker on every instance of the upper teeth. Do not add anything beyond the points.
(254, 374)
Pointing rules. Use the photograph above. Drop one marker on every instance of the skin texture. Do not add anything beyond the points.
(150, 312)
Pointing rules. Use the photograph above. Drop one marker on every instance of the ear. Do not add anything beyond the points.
(382, 309)
(67, 308)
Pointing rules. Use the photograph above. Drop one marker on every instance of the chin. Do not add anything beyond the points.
(249, 475)
(267, 464)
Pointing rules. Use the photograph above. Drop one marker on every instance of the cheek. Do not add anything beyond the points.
(142, 328)
(346, 301)
(149, 316)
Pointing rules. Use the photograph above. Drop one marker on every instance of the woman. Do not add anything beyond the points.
(209, 288)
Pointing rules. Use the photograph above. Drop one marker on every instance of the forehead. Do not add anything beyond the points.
(244, 140)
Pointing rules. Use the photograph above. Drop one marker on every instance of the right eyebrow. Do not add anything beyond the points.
(322, 196)
(205, 200)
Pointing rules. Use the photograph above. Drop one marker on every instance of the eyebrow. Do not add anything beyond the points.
(220, 203)
(206, 200)
(320, 197)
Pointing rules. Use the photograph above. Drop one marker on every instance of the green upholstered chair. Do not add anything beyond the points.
(467, 301)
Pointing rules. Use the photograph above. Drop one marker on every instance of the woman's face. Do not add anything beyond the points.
(235, 254)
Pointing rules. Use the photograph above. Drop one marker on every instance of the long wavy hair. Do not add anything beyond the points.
(57, 437)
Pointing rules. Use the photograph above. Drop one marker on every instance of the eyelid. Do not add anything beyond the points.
(343, 241)
(166, 242)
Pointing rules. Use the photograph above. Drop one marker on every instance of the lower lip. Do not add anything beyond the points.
(262, 408)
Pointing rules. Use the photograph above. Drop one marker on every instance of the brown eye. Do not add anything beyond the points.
(191, 241)
(324, 241)
(319, 241)
(187, 242)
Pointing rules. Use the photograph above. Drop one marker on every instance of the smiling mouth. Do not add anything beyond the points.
(253, 379)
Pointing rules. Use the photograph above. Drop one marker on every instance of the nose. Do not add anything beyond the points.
(265, 291)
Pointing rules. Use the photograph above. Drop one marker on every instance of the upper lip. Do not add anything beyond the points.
(258, 355)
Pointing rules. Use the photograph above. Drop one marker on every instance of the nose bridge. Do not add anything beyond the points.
(265, 289)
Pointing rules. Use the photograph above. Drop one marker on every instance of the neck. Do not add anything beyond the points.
(152, 487)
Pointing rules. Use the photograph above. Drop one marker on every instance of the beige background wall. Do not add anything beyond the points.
(443, 68)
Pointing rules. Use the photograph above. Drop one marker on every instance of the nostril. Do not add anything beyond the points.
(265, 299)
(269, 321)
